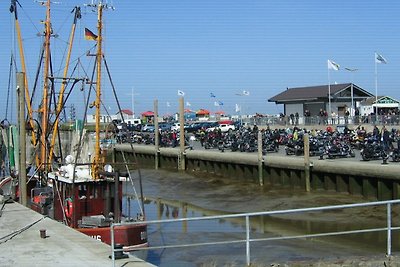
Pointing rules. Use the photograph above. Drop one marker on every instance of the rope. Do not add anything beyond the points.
(131, 180)
(9, 84)
(10, 236)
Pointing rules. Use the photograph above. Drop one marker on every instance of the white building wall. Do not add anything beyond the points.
(366, 110)
(91, 118)
(337, 105)
(293, 108)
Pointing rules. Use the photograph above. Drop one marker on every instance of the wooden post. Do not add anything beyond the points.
(181, 156)
(156, 135)
(116, 198)
(260, 159)
(22, 138)
(307, 161)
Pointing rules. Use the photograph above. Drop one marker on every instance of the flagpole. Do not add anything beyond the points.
(352, 89)
(133, 94)
(133, 101)
(329, 92)
(376, 88)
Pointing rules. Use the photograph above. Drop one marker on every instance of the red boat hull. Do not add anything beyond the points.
(130, 236)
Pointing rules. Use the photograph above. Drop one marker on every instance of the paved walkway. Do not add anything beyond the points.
(22, 245)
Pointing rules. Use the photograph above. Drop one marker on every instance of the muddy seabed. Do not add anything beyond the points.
(234, 196)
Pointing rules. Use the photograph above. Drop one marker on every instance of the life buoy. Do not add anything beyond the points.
(68, 208)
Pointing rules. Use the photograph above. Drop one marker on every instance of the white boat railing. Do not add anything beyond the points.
(389, 228)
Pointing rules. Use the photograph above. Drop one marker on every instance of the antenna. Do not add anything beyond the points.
(95, 3)
(43, 2)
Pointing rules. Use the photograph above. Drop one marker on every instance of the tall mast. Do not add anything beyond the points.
(98, 159)
(60, 103)
(44, 107)
(13, 9)
(99, 55)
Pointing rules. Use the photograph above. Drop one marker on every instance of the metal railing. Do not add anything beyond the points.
(389, 228)
(317, 120)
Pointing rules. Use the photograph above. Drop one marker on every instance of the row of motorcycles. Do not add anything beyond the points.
(242, 140)
(332, 145)
(340, 146)
(320, 146)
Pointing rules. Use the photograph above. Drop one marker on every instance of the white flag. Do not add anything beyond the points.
(181, 93)
(168, 104)
(216, 104)
(380, 59)
(333, 65)
(246, 92)
(188, 104)
(237, 108)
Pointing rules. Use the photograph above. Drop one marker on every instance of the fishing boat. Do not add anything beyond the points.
(84, 192)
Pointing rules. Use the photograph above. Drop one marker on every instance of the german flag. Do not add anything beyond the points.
(89, 35)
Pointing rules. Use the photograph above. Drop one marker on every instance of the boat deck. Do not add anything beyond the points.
(21, 243)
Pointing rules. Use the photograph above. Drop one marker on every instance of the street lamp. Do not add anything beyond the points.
(352, 70)
(133, 94)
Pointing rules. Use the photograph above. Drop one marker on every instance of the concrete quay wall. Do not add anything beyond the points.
(372, 180)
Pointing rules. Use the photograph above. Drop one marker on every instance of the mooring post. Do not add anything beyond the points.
(181, 156)
(307, 161)
(156, 136)
(22, 139)
(260, 159)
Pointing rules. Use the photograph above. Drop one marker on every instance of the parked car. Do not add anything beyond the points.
(134, 127)
(164, 126)
(226, 127)
(223, 127)
(209, 124)
(194, 127)
(148, 128)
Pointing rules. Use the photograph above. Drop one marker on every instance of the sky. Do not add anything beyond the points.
(156, 47)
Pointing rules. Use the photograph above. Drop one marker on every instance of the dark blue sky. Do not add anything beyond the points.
(159, 47)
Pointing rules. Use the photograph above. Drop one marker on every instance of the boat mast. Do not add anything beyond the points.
(97, 160)
(44, 107)
(60, 103)
(13, 9)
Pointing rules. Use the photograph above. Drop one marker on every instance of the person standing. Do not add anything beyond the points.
(346, 116)
(385, 138)
(333, 117)
(291, 118)
(320, 116)
(357, 115)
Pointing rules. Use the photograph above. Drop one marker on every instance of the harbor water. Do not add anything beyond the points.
(172, 195)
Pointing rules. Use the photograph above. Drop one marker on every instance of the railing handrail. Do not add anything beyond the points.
(274, 212)
(247, 215)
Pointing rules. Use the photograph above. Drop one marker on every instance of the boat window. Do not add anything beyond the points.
(82, 191)
(94, 194)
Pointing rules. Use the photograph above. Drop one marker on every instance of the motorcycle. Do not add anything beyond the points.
(373, 151)
(270, 145)
(317, 147)
(395, 155)
(340, 150)
(294, 147)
